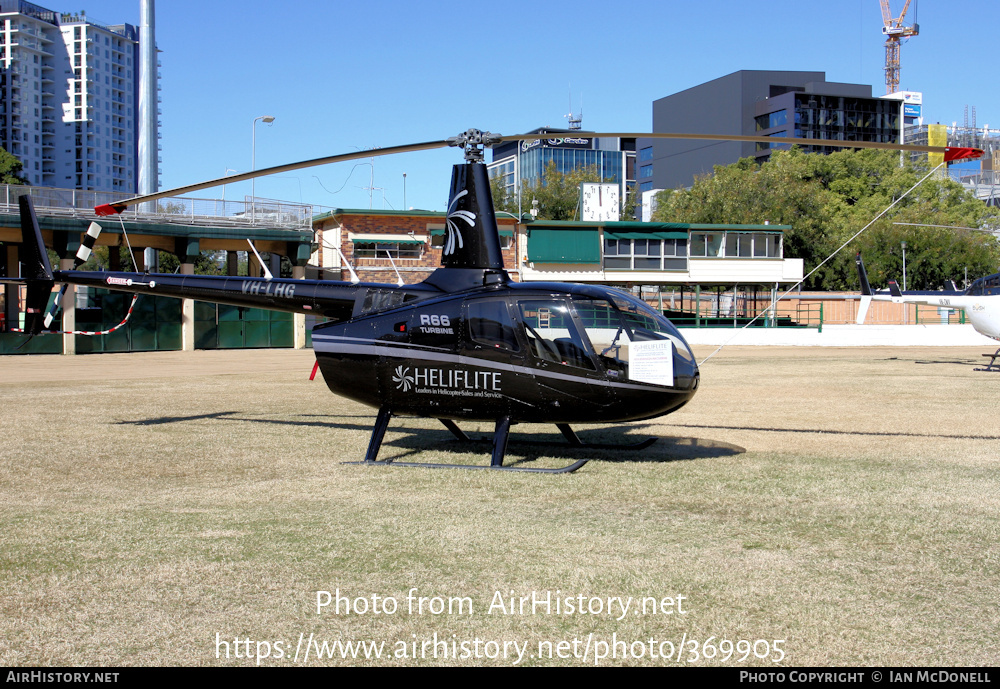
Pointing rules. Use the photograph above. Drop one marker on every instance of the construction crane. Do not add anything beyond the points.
(894, 31)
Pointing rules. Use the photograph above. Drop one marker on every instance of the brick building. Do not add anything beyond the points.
(378, 243)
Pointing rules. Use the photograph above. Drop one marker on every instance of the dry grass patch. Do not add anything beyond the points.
(843, 500)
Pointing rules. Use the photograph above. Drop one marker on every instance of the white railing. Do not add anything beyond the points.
(263, 213)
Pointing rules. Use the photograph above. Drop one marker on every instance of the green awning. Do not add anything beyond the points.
(503, 233)
(645, 235)
(387, 241)
(549, 245)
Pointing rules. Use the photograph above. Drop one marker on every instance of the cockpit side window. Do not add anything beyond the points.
(607, 332)
(490, 325)
(552, 334)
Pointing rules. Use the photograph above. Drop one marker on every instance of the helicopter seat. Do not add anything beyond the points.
(545, 350)
(572, 354)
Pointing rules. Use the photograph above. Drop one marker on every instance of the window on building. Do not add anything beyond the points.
(753, 245)
(401, 249)
(645, 254)
(706, 244)
(771, 120)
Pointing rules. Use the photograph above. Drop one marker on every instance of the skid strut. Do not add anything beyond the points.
(993, 365)
(501, 435)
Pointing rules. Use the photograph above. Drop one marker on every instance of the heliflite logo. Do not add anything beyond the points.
(442, 381)
(402, 378)
(454, 239)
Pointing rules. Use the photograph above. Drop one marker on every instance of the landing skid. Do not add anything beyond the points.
(575, 441)
(568, 433)
(501, 435)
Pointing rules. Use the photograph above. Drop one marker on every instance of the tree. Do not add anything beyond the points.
(10, 169)
(632, 204)
(557, 193)
(827, 198)
(207, 263)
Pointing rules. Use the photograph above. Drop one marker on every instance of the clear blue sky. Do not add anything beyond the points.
(344, 75)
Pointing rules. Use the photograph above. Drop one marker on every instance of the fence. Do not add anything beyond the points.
(174, 210)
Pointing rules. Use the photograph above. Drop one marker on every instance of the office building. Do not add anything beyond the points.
(523, 163)
(783, 105)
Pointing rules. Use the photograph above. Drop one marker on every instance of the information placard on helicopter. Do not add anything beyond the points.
(651, 362)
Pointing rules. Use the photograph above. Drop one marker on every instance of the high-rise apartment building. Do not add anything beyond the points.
(69, 98)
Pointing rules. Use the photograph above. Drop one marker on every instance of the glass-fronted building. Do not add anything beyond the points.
(817, 116)
(523, 163)
(780, 104)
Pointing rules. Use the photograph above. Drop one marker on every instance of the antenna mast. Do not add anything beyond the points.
(575, 121)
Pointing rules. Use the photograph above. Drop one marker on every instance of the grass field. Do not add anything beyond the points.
(186, 509)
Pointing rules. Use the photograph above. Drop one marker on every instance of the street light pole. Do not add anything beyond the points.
(253, 162)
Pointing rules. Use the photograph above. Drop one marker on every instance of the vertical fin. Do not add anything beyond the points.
(34, 255)
(472, 239)
(38, 270)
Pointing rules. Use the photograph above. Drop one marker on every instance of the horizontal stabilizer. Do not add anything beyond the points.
(866, 301)
(894, 289)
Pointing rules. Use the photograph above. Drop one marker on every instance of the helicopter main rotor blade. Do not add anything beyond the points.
(119, 206)
(950, 152)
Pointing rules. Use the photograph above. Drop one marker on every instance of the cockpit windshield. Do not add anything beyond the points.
(985, 286)
(617, 334)
(648, 324)
(630, 339)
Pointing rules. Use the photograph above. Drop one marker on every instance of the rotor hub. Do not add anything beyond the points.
(473, 142)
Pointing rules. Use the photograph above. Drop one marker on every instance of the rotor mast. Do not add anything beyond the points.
(473, 142)
(894, 31)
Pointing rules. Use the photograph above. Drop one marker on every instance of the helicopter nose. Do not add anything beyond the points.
(686, 374)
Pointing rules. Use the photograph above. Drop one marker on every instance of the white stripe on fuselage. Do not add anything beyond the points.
(334, 344)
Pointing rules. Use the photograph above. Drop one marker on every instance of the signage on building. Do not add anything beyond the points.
(909, 97)
(565, 142)
(910, 110)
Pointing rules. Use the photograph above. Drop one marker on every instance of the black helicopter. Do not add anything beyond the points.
(467, 343)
